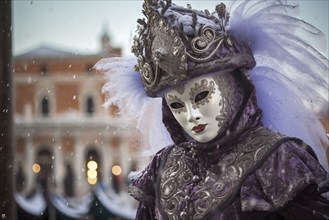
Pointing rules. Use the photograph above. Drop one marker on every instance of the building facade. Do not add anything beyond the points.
(65, 141)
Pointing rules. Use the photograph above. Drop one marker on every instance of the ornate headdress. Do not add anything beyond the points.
(177, 43)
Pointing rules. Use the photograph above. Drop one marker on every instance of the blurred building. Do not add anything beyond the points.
(66, 143)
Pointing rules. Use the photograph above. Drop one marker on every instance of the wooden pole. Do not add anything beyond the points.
(7, 204)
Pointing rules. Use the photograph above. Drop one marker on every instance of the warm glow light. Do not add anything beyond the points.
(92, 165)
(92, 174)
(92, 181)
(36, 168)
(116, 170)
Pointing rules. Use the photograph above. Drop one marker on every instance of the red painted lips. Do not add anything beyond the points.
(199, 128)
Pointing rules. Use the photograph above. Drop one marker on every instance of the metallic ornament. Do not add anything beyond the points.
(213, 189)
(191, 43)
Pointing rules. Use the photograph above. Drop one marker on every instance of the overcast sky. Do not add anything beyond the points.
(77, 26)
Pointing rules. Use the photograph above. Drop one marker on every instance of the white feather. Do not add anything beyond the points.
(124, 89)
(291, 76)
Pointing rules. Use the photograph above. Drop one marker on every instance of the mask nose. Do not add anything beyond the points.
(193, 115)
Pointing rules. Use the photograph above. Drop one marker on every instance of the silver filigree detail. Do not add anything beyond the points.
(187, 49)
(202, 44)
(198, 88)
(231, 98)
(148, 76)
(212, 190)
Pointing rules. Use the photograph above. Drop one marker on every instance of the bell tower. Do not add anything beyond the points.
(105, 40)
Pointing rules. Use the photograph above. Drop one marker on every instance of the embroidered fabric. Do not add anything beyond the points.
(263, 193)
(288, 171)
(192, 188)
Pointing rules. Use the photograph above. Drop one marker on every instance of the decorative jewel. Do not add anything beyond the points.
(183, 215)
(176, 50)
(195, 178)
(161, 23)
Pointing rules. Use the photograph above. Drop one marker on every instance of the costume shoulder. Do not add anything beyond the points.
(142, 187)
(287, 172)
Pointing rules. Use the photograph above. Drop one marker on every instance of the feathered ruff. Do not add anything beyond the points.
(124, 89)
(291, 75)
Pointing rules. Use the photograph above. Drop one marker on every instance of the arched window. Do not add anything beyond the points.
(117, 178)
(45, 106)
(44, 168)
(89, 68)
(69, 181)
(90, 106)
(43, 70)
(20, 178)
(92, 154)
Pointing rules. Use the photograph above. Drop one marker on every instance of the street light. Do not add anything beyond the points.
(92, 172)
(116, 170)
(36, 168)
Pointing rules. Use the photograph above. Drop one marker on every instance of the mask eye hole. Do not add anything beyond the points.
(176, 105)
(200, 96)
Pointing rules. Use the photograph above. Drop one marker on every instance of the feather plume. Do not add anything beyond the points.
(291, 75)
(124, 89)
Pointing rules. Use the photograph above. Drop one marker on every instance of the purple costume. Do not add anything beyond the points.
(252, 173)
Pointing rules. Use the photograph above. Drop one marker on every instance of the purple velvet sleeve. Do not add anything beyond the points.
(143, 189)
(290, 177)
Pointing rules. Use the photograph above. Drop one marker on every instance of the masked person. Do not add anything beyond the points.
(225, 157)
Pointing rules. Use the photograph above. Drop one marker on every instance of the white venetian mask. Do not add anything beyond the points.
(195, 105)
(206, 105)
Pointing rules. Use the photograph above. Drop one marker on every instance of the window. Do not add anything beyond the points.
(43, 70)
(20, 178)
(44, 170)
(90, 108)
(89, 68)
(116, 177)
(45, 106)
(92, 154)
(69, 181)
